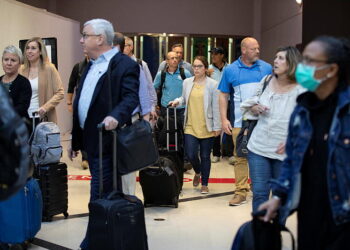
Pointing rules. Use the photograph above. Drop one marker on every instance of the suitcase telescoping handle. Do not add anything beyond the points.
(101, 129)
(167, 128)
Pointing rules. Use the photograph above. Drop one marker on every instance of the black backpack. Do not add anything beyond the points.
(259, 235)
(14, 148)
(162, 80)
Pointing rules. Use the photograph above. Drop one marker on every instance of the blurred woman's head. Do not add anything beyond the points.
(35, 50)
(200, 66)
(325, 59)
(286, 61)
(11, 60)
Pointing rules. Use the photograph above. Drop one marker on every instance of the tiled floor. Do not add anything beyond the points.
(205, 223)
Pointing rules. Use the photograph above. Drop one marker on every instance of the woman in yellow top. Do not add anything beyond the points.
(202, 119)
(47, 88)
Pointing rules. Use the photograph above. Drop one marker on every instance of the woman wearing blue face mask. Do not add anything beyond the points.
(315, 176)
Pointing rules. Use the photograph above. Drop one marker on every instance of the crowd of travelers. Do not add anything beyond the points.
(296, 113)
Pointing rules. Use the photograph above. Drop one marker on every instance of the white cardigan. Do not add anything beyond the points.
(211, 102)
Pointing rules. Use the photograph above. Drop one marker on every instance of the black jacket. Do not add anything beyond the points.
(125, 88)
(21, 93)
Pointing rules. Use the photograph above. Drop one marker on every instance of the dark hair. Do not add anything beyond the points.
(293, 57)
(119, 40)
(177, 45)
(204, 60)
(337, 50)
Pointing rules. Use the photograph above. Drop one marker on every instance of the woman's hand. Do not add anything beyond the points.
(173, 103)
(281, 149)
(259, 109)
(271, 206)
(41, 112)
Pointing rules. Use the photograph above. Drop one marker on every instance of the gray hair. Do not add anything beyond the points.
(13, 50)
(102, 27)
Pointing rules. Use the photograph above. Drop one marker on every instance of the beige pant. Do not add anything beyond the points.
(240, 168)
(129, 183)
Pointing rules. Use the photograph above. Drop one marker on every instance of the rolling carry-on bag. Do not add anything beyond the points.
(116, 222)
(46, 152)
(20, 215)
(161, 184)
(54, 187)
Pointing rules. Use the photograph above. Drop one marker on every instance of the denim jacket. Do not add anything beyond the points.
(338, 166)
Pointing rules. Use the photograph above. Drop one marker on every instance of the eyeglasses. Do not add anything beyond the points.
(85, 36)
(199, 66)
(307, 60)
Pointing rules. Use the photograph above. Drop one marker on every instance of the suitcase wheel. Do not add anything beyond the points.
(65, 215)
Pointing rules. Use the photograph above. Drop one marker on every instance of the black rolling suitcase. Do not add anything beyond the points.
(171, 143)
(54, 187)
(53, 182)
(161, 184)
(118, 221)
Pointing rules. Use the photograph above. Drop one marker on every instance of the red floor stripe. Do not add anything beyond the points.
(211, 180)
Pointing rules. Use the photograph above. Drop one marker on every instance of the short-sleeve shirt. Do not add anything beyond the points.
(172, 87)
(244, 80)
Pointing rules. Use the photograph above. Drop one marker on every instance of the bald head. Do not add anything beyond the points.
(250, 50)
(172, 59)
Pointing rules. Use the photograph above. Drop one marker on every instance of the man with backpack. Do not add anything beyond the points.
(179, 50)
(168, 84)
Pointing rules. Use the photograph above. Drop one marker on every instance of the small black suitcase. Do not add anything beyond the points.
(118, 221)
(160, 184)
(54, 187)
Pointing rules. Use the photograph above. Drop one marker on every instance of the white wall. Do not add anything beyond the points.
(20, 21)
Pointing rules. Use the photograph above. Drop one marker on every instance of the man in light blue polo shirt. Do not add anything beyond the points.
(172, 86)
(243, 75)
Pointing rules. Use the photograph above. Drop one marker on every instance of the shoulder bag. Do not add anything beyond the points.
(136, 148)
(247, 129)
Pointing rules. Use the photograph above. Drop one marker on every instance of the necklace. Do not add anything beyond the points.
(33, 73)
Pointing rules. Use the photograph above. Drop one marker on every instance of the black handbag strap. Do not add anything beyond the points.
(285, 229)
(101, 129)
(282, 228)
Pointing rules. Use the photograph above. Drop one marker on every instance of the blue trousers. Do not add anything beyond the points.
(202, 165)
(261, 170)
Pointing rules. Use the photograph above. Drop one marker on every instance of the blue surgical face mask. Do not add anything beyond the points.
(305, 76)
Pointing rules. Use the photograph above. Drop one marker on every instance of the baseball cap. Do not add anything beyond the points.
(217, 50)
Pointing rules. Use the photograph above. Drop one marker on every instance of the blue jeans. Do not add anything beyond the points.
(261, 170)
(203, 165)
(94, 184)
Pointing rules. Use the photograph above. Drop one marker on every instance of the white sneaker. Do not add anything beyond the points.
(215, 159)
(231, 160)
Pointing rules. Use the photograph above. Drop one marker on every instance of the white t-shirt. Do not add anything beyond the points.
(272, 128)
(34, 102)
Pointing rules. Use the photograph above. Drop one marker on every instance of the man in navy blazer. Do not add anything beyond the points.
(92, 106)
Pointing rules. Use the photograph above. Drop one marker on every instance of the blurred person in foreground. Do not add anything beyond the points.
(315, 176)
